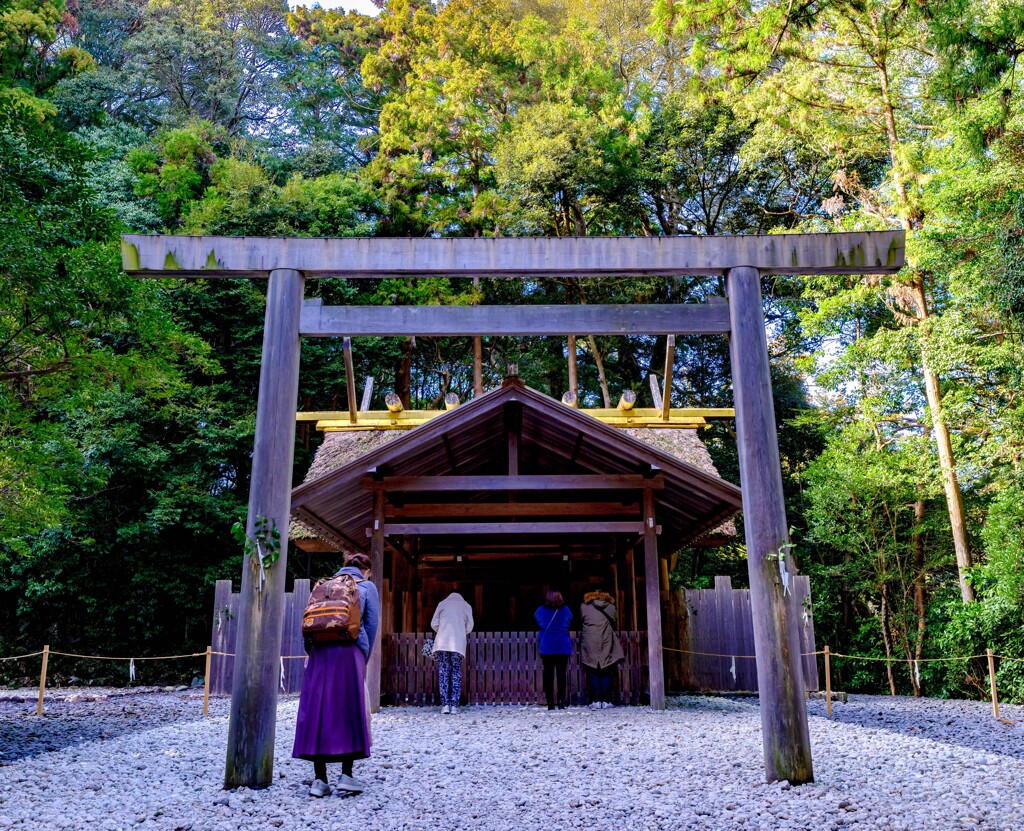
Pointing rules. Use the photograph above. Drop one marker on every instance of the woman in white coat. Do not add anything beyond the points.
(452, 622)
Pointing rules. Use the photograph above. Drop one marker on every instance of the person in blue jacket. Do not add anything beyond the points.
(553, 619)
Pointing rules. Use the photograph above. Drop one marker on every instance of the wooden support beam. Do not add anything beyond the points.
(350, 380)
(253, 720)
(513, 428)
(776, 615)
(408, 421)
(546, 528)
(627, 401)
(634, 606)
(478, 354)
(574, 385)
(572, 481)
(330, 421)
(478, 366)
(638, 412)
(496, 509)
(377, 535)
(652, 574)
(655, 413)
(518, 321)
(866, 252)
(364, 405)
(670, 360)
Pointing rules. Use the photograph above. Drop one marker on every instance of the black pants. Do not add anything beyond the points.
(555, 665)
(600, 683)
(320, 769)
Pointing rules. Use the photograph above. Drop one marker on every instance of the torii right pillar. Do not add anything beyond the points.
(780, 676)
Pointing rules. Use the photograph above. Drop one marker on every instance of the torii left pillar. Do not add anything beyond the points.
(251, 731)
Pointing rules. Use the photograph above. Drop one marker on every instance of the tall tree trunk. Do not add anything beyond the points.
(919, 597)
(887, 641)
(950, 484)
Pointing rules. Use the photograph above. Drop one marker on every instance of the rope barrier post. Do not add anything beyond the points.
(992, 682)
(828, 682)
(206, 682)
(42, 679)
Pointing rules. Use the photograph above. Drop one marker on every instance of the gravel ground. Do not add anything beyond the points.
(149, 761)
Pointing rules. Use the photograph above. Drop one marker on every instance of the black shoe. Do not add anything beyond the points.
(561, 706)
(551, 706)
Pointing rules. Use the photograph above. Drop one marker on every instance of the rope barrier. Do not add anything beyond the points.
(20, 657)
(118, 658)
(903, 659)
(46, 652)
(723, 655)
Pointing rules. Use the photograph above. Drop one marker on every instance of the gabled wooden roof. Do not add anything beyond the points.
(553, 439)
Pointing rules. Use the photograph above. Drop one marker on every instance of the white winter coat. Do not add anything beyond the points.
(452, 621)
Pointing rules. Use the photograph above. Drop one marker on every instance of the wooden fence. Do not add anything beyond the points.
(718, 622)
(225, 632)
(502, 668)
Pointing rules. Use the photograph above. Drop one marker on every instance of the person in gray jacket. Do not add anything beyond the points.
(452, 622)
(600, 649)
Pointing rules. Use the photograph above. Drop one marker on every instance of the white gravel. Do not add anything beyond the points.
(151, 762)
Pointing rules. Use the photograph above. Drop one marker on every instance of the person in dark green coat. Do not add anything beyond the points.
(600, 648)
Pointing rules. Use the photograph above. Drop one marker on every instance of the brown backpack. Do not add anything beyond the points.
(333, 613)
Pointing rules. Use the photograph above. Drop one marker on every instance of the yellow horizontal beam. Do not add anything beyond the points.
(624, 421)
(419, 416)
(332, 421)
(340, 426)
(650, 413)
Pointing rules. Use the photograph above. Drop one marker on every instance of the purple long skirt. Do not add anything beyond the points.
(333, 721)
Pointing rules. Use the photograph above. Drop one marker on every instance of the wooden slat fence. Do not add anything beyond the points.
(502, 668)
(225, 631)
(718, 621)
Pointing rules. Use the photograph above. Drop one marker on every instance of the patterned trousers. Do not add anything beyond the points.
(449, 667)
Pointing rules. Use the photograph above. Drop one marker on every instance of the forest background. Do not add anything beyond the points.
(127, 406)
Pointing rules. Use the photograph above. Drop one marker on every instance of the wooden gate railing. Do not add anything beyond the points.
(502, 668)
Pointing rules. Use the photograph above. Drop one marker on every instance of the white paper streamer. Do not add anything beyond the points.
(263, 573)
(784, 573)
(282, 673)
(917, 673)
(131, 670)
(732, 669)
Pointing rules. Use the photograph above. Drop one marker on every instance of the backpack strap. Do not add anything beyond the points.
(606, 616)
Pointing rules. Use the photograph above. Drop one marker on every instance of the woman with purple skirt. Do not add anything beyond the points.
(333, 723)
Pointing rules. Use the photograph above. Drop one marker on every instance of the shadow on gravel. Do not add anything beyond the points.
(962, 723)
(23, 734)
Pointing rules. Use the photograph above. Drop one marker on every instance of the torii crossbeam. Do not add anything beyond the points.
(287, 262)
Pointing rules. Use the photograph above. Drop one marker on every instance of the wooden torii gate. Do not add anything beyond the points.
(743, 260)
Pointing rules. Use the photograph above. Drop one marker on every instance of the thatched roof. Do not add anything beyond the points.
(686, 445)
